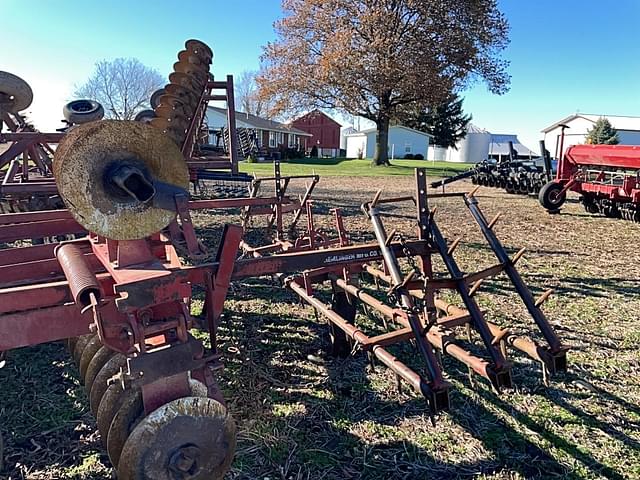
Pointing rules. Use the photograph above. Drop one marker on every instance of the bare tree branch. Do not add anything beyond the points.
(123, 86)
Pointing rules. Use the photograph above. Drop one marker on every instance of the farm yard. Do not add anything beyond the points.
(304, 415)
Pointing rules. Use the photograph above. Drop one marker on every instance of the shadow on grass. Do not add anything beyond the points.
(335, 418)
(44, 417)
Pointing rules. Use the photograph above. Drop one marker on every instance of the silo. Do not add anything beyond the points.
(474, 147)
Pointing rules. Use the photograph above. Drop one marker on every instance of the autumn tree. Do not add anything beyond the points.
(446, 122)
(246, 95)
(123, 86)
(602, 133)
(371, 57)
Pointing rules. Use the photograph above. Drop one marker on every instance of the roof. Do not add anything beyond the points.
(316, 112)
(371, 130)
(619, 122)
(261, 123)
(471, 128)
(500, 146)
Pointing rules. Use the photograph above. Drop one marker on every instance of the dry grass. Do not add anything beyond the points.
(304, 415)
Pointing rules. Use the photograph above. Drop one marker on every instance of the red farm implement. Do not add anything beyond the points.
(121, 295)
(123, 301)
(179, 111)
(606, 176)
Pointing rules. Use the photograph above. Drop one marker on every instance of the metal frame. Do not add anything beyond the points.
(136, 295)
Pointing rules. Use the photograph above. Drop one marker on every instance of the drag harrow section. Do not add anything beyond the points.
(416, 310)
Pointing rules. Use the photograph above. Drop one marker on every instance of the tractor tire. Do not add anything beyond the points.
(551, 198)
(155, 97)
(145, 116)
(82, 111)
(15, 94)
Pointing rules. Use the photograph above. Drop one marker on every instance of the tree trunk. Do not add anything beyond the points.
(381, 155)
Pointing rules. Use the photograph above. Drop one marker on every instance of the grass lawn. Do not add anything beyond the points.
(348, 167)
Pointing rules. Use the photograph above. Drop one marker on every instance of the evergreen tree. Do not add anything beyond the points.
(602, 133)
(446, 121)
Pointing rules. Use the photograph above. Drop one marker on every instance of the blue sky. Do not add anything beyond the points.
(566, 55)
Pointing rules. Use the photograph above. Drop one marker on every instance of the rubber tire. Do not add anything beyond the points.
(145, 116)
(548, 196)
(82, 111)
(17, 88)
(155, 97)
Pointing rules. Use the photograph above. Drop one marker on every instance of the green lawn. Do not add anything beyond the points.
(346, 167)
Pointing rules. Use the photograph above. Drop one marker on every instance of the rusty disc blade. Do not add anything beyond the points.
(98, 361)
(188, 56)
(188, 97)
(99, 385)
(109, 405)
(200, 76)
(191, 437)
(173, 116)
(129, 414)
(87, 354)
(81, 165)
(79, 347)
(166, 111)
(186, 81)
(200, 49)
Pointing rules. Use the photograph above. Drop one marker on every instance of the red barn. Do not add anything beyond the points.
(324, 130)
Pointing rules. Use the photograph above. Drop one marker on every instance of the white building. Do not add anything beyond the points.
(402, 140)
(478, 145)
(580, 123)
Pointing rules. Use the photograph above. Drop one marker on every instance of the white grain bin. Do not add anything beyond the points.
(474, 147)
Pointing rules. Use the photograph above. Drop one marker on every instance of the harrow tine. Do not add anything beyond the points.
(494, 220)
(544, 297)
(453, 246)
(473, 192)
(474, 288)
(518, 256)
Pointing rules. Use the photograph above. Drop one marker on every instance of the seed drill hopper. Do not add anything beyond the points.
(607, 177)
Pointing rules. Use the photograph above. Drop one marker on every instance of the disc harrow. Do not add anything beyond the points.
(121, 296)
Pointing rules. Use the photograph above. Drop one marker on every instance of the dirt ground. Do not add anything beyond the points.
(304, 415)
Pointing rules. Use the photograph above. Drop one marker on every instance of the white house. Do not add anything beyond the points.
(478, 145)
(402, 140)
(269, 133)
(580, 123)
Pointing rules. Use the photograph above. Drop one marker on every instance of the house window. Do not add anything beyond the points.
(293, 140)
(280, 138)
(407, 148)
(272, 140)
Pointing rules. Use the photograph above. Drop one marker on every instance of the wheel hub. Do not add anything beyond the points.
(185, 462)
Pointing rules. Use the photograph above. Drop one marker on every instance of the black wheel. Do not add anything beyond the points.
(551, 196)
(145, 116)
(82, 111)
(589, 205)
(155, 97)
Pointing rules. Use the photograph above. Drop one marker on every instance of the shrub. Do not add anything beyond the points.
(409, 156)
(418, 156)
